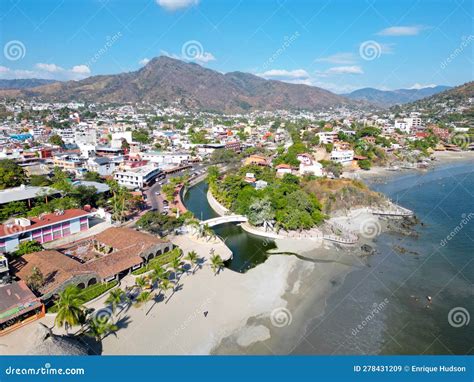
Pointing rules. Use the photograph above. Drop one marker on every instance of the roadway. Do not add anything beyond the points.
(153, 194)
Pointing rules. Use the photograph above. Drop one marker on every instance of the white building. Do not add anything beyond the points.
(101, 165)
(117, 138)
(138, 177)
(163, 158)
(315, 169)
(413, 122)
(342, 156)
(402, 126)
(326, 137)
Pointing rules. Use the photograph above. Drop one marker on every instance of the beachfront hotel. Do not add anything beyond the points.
(107, 256)
(44, 228)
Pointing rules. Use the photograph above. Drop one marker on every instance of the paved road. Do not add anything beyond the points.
(153, 197)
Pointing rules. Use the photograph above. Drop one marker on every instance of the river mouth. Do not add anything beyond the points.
(248, 250)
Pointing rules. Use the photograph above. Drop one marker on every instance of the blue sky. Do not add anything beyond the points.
(337, 45)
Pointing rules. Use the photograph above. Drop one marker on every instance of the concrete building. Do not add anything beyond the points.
(162, 158)
(342, 156)
(44, 228)
(326, 137)
(138, 177)
(101, 165)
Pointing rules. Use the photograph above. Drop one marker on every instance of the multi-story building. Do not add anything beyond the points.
(67, 162)
(342, 156)
(101, 165)
(162, 158)
(138, 177)
(326, 137)
(44, 228)
(402, 126)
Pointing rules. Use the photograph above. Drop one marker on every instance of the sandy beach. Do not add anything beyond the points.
(378, 174)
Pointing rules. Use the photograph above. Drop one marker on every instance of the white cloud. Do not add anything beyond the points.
(205, 57)
(285, 74)
(47, 71)
(401, 31)
(173, 5)
(422, 86)
(81, 69)
(338, 58)
(144, 61)
(51, 68)
(354, 69)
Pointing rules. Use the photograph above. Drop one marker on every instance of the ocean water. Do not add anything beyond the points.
(382, 307)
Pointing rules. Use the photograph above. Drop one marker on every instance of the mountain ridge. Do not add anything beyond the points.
(168, 81)
(388, 98)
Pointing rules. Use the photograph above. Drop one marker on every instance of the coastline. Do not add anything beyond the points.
(442, 158)
(245, 309)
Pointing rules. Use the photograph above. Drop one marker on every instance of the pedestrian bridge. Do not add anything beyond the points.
(225, 219)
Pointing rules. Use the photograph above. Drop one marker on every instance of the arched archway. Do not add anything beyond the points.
(81, 285)
(92, 281)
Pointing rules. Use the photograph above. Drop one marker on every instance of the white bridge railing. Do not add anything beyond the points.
(225, 219)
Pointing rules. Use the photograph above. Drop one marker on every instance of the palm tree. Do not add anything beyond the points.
(193, 259)
(116, 296)
(195, 224)
(159, 273)
(216, 263)
(165, 285)
(100, 328)
(143, 298)
(70, 307)
(140, 282)
(176, 266)
(207, 232)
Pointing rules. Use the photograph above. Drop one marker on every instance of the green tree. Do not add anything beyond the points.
(115, 298)
(143, 298)
(93, 176)
(13, 209)
(39, 181)
(100, 328)
(261, 211)
(141, 136)
(35, 280)
(28, 247)
(11, 174)
(216, 263)
(193, 259)
(165, 286)
(224, 156)
(70, 308)
(56, 140)
(364, 164)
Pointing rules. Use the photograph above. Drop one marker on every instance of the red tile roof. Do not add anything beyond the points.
(16, 299)
(45, 220)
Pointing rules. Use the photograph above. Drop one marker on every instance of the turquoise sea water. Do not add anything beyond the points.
(383, 308)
